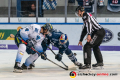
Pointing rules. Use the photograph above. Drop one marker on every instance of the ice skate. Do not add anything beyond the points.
(33, 65)
(26, 67)
(98, 66)
(17, 68)
(86, 67)
(78, 64)
(75, 66)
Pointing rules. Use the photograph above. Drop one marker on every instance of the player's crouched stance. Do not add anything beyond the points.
(59, 40)
(33, 35)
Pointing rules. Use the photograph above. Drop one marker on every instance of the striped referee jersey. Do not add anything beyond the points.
(90, 25)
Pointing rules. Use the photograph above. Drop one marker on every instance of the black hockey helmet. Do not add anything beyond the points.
(48, 26)
(79, 8)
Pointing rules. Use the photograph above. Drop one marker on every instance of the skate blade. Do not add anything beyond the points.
(17, 71)
(27, 68)
(84, 70)
(72, 68)
(97, 68)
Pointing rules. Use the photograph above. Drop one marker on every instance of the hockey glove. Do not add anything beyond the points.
(43, 56)
(58, 57)
(29, 43)
(30, 51)
(44, 42)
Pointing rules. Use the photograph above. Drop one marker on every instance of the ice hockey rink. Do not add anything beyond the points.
(45, 70)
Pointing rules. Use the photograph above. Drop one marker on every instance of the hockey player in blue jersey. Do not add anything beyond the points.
(33, 35)
(59, 40)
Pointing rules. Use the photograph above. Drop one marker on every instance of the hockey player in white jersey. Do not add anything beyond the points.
(33, 35)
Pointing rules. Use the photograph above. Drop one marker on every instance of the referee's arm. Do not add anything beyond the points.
(84, 32)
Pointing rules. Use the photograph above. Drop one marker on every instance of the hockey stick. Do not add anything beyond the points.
(42, 55)
(55, 55)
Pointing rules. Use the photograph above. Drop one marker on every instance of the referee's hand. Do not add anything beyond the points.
(88, 38)
(80, 43)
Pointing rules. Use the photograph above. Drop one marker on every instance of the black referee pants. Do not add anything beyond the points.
(97, 38)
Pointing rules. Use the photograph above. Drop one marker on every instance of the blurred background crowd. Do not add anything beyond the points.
(56, 8)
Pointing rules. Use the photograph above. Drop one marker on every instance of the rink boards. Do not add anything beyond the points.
(110, 43)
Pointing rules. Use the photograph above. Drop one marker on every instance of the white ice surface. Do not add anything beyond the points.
(45, 70)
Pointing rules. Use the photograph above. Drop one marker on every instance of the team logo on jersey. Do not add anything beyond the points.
(73, 74)
(36, 30)
(108, 36)
(38, 37)
(26, 29)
